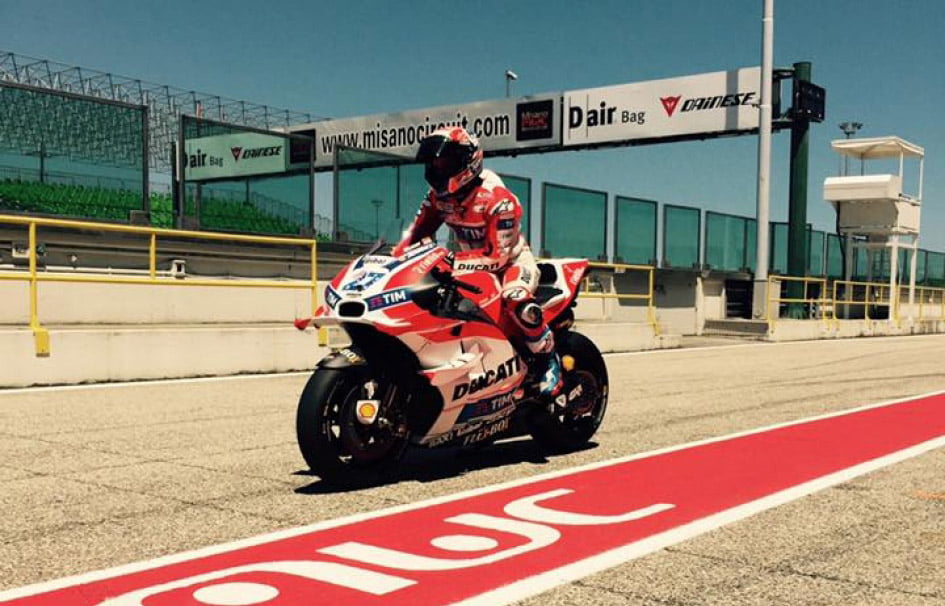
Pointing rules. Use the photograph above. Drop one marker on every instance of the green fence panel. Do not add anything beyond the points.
(921, 266)
(243, 179)
(861, 264)
(367, 203)
(834, 257)
(881, 267)
(257, 206)
(636, 230)
(751, 244)
(376, 195)
(522, 188)
(778, 255)
(682, 228)
(815, 257)
(71, 155)
(935, 269)
(412, 188)
(725, 241)
(573, 222)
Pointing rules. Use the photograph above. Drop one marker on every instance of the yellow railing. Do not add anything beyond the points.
(927, 296)
(773, 303)
(875, 294)
(620, 268)
(34, 277)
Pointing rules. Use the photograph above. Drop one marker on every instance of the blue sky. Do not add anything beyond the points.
(881, 62)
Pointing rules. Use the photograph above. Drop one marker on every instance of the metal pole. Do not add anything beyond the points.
(145, 162)
(913, 263)
(34, 315)
(314, 277)
(181, 184)
(311, 188)
(894, 278)
(798, 243)
(152, 257)
(336, 227)
(764, 162)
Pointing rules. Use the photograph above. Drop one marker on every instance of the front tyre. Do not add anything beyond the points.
(336, 445)
(565, 426)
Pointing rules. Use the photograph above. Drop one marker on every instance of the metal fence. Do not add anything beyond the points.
(102, 145)
(34, 276)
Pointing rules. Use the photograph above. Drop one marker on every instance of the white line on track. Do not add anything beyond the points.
(650, 352)
(544, 581)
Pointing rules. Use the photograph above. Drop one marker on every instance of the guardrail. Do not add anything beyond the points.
(881, 297)
(817, 305)
(34, 277)
(926, 296)
(620, 268)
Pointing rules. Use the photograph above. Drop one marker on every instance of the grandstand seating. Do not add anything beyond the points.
(97, 203)
(67, 200)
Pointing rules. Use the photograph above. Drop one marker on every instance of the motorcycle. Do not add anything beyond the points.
(430, 365)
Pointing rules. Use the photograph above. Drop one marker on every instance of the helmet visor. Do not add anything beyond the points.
(444, 160)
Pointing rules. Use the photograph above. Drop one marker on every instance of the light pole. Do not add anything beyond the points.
(509, 76)
(43, 155)
(377, 217)
(762, 214)
(849, 129)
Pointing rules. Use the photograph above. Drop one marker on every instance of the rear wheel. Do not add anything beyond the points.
(573, 418)
(337, 446)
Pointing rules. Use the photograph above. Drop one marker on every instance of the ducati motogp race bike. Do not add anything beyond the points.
(430, 365)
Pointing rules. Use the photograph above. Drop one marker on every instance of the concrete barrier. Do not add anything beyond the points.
(91, 354)
(613, 337)
(97, 354)
(802, 330)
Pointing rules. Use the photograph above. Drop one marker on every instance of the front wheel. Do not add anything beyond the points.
(569, 422)
(337, 446)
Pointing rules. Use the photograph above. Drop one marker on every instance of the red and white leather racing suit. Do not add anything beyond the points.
(486, 223)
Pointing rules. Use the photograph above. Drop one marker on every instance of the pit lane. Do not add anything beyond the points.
(100, 476)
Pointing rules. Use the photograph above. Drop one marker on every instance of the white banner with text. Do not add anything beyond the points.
(500, 125)
(718, 102)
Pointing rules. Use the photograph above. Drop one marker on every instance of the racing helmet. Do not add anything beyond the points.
(452, 157)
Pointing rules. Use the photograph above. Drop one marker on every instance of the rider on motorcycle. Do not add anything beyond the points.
(485, 218)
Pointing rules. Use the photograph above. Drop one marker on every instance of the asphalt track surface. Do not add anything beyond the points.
(99, 476)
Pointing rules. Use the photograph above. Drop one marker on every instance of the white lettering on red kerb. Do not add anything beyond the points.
(527, 519)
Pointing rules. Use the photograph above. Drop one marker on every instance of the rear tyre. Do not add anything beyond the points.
(336, 445)
(565, 427)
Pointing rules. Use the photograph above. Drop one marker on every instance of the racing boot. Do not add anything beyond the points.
(545, 364)
(551, 380)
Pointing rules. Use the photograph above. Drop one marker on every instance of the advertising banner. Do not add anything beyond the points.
(719, 102)
(500, 125)
(234, 155)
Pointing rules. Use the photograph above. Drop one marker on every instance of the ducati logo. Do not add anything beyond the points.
(670, 103)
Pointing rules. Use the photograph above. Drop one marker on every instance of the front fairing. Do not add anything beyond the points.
(461, 350)
(398, 294)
